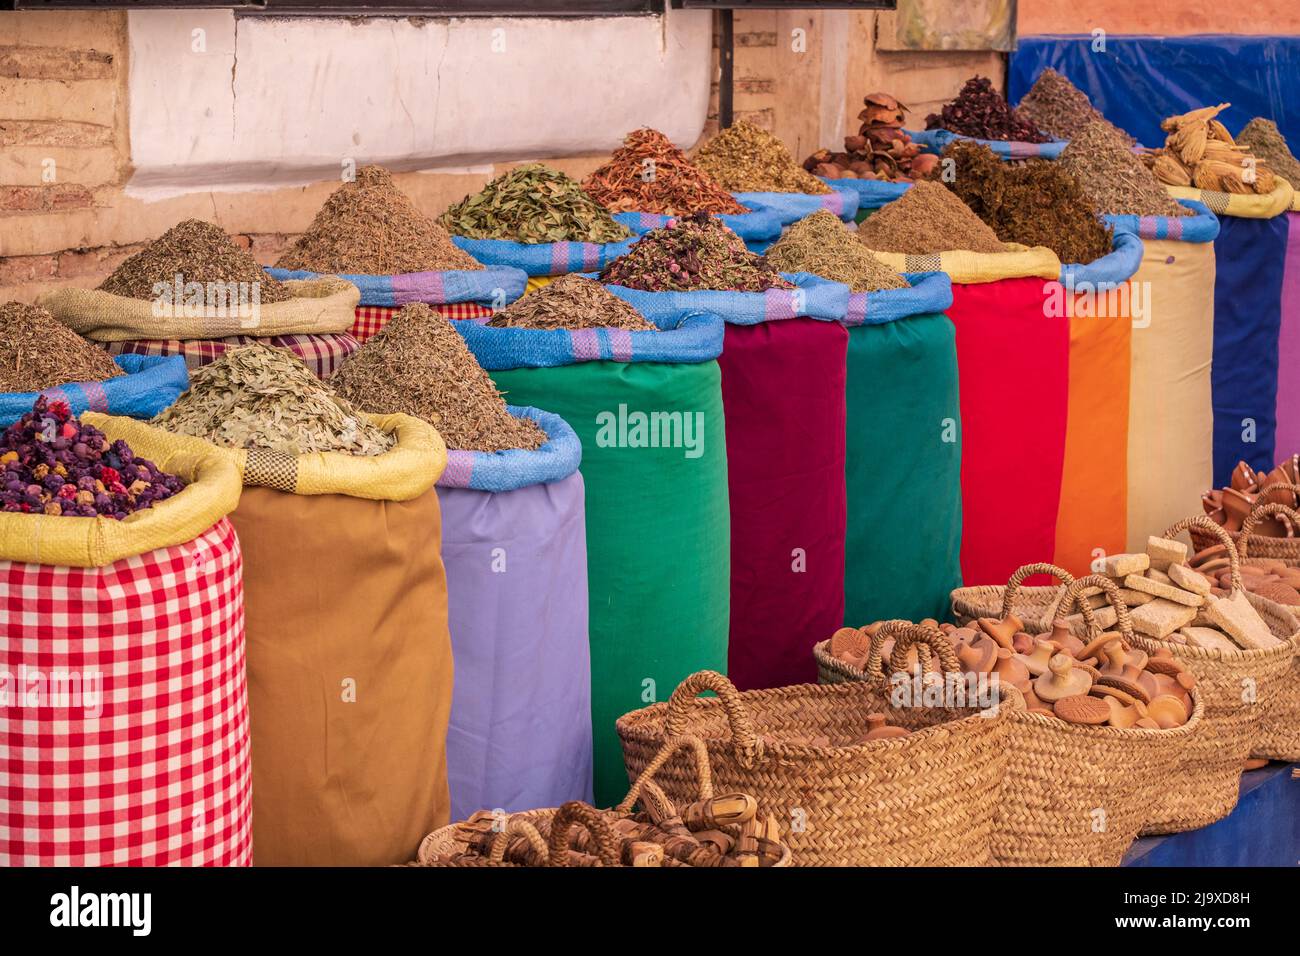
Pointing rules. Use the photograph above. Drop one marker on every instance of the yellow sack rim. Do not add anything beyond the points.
(105, 317)
(972, 268)
(212, 492)
(1243, 206)
(404, 472)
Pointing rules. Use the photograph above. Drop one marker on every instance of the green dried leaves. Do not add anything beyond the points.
(533, 204)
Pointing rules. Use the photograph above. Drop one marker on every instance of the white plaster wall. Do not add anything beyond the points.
(249, 101)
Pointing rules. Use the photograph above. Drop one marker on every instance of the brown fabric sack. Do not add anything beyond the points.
(343, 592)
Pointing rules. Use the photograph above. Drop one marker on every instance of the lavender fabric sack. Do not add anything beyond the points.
(516, 559)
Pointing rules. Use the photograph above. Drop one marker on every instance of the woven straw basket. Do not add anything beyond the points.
(1239, 687)
(1073, 795)
(1035, 606)
(547, 830)
(924, 799)
(1261, 546)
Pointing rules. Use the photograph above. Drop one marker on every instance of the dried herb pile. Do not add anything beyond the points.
(744, 159)
(1035, 203)
(927, 218)
(1266, 141)
(197, 251)
(649, 174)
(370, 227)
(1199, 151)
(821, 244)
(572, 302)
(533, 204)
(51, 463)
(1112, 176)
(39, 352)
(981, 111)
(419, 365)
(880, 150)
(260, 397)
(1057, 106)
(694, 253)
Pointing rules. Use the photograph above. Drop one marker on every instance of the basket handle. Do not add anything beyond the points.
(575, 813)
(703, 772)
(745, 739)
(1262, 511)
(517, 826)
(1074, 597)
(1041, 567)
(1205, 523)
(906, 635)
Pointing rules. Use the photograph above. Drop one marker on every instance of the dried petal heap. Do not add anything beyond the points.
(649, 174)
(981, 111)
(696, 253)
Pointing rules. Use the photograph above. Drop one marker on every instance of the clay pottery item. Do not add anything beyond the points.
(1166, 686)
(1038, 661)
(1130, 687)
(1212, 501)
(1063, 679)
(1213, 567)
(1164, 662)
(964, 635)
(1243, 478)
(1254, 763)
(1146, 723)
(1002, 630)
(1279, 592)
(1168, 712)
(1144, 679)
(930, 623)
(1063, 639)
(1011, 670)
(849, 640)
(1238, 506)
(1118, 714)
(1082, 709)
(879, 729)
(947, 627)
(1291, 577)
(979, 656)
(1023, 643)
(1283, 496)
(1123, 696)
(1119, 657)
(1208, 554)
(1096, 647)
(1291, 468)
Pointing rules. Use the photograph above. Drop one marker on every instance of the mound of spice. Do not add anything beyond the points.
(370, 227)
(51, 463)
(1057, 106)
(265, 398)
(981, 111)
(693, 254)
(196, 251)
(572, 302)
(744, 158)
(1035, 203)
(533, 203)
(419, 365)
(649, 174)
(1266, 141)
(39, 352)
(822, 245)
(927, 218)
(1100, 160)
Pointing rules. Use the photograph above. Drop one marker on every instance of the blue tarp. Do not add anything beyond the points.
(1139, 80)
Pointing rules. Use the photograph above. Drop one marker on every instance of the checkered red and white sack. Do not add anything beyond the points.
(155, 771)
(371, 319)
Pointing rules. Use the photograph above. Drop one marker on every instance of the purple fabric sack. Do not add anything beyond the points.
(520, 733)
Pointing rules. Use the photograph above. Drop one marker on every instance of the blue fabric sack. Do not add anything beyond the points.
(496, 286)
(929, 293)
(517, 467)
(791, 207)
(151, 384)
(1202, 227)
(813, 297)
(1116, 266)
(937, 140)
(553, 258)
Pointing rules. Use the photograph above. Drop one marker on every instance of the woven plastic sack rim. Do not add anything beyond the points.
(212, 492)
(1118, 265)
(694, 338)
(1241, 206)
(977, 268)
(757, 225)
(59, 302)
(872, 193)
(515, 468)
(140, 371)
(491, 251)
(774, 202)
(403, 473)
(746, 308)
(928, 293)
(1201, 227)
(377, 290)
(936, 140)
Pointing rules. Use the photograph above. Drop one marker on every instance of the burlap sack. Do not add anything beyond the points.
(971, 268)
(1242, 205)
(319, 306)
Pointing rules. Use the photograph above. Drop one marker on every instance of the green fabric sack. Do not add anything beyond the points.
(658, 533)
(903, 471)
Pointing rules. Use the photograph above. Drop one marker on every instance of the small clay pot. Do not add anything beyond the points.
(1062, 680)
(1011, 671)
(1002, 630)
(978, 656)
(1167, 711)
(1064, 639)
(1037, 662)
(1095, 647)
(1237, 505)
(1022, 643)
(879, 729)
(1243, 478)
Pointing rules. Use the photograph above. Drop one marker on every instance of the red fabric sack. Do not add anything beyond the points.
(1014, 376)
(783, 394)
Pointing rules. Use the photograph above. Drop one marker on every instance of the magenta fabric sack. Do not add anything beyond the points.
(516, 559)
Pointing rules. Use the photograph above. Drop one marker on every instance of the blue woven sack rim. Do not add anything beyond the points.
(1202, 227)
(928, 293)
(161, 376)
(1116, 266)
(824, 300)
(491, 285)
(516, 468)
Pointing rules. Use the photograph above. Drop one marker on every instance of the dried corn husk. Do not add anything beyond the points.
(1200, 151)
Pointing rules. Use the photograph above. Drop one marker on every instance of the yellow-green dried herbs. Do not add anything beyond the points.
(39, 352)
(533, 204)
(744, 158)
(572, 302)
(821, 244)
